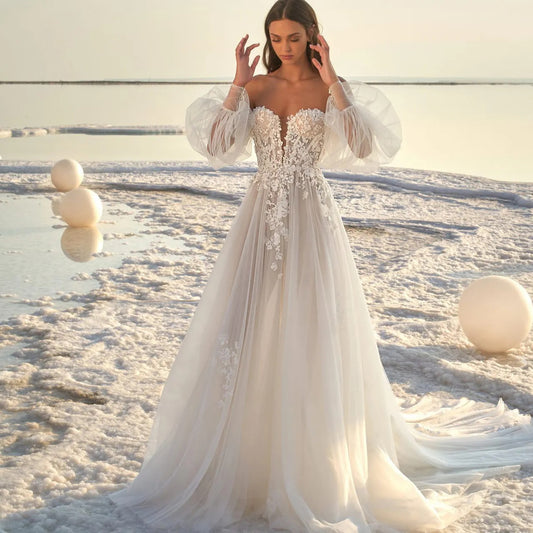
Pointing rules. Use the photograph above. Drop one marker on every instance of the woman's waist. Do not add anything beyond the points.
(288, 171)
(287, 175)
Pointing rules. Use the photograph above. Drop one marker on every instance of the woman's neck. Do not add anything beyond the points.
(296, 72)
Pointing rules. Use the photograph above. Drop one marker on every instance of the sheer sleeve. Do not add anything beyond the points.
(363, 130)
(218, 125)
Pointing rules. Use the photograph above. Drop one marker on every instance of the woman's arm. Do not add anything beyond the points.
(357, 136)
(244, 73)
(220, 134)
(230, 105)
(360, 141)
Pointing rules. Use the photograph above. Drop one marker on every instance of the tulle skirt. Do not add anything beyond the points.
(277, 406)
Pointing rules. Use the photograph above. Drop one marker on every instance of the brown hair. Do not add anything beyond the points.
(297, 11)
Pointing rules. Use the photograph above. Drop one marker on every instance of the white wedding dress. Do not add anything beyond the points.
(277, 407)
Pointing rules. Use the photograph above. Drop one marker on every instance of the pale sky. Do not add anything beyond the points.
(98, 39)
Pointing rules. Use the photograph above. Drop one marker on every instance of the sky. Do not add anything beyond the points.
(170, 39)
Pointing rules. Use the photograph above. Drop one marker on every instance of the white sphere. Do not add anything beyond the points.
(66, 175)
(496, 313)
(79, 244)
(80, 207)
(56, 205)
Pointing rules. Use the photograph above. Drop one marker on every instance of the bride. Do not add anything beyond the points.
(277, 409)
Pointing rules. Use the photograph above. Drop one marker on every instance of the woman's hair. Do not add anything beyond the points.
(297, 11)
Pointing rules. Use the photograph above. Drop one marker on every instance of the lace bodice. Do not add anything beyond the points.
(288, 166)
(301, 147)
(362, 135)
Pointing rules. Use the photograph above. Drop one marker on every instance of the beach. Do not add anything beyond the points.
(82, 369)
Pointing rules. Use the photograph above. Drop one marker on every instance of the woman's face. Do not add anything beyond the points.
(289, 40)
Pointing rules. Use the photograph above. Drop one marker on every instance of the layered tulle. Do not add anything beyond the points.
(369, 125)
(277, 406)
(220, 134)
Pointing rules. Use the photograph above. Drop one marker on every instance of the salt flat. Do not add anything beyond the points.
(82, 383)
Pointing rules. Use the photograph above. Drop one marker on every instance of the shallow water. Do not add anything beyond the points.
(479, 130)
(43, 261)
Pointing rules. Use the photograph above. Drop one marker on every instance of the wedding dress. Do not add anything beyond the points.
(277, 407)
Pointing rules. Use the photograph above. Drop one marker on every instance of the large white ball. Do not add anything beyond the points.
(56, 205)
(80, 207)
(66, 175)
(496, 313)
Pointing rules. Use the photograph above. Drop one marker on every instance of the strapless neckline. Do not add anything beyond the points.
(291, 115)
(284, 121)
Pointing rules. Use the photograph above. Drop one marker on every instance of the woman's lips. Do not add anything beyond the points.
(286, 57)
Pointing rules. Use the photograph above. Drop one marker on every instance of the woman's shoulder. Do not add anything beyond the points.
(258, 81)
(257, 85)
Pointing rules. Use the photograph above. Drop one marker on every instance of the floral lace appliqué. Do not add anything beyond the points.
(284, 169)
(227, 355)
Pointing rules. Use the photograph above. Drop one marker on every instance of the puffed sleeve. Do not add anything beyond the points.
(218, 124)
(362, 131)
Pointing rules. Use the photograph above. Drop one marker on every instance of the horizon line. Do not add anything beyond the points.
(378, 80)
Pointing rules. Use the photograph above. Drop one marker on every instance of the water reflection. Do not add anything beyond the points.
(40, 259)
(80, 244)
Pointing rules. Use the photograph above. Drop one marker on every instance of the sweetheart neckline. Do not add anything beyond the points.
(282, 138)
(292, 114)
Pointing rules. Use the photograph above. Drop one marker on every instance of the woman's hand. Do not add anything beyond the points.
(326, 70)
(244, 72)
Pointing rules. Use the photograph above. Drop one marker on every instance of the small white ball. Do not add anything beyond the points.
(79, 244)
(66, 175)
(80, 207)
(495, 313)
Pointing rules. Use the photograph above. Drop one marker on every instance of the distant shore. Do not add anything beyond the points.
(225, 82)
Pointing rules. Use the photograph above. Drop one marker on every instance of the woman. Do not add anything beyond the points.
(277, 406)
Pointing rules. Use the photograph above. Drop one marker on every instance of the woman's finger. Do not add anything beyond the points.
(241, 43)
(325, 43)
(317, 48)
(254, 63)
(250, 48)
